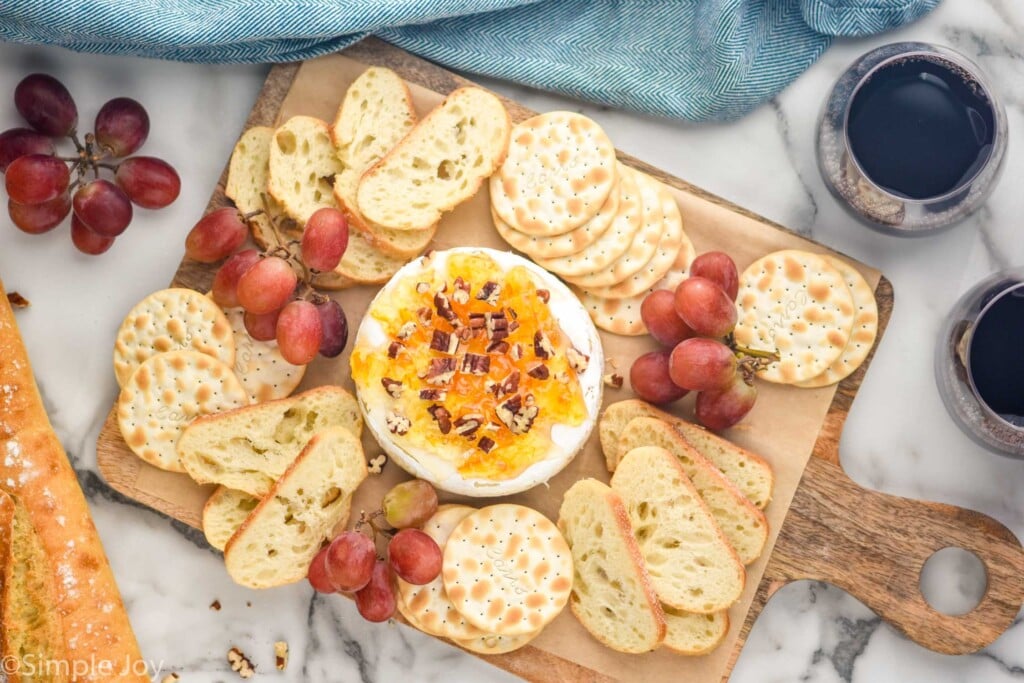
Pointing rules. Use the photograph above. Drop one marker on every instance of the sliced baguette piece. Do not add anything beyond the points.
(612, 595)
(399, 244)
(376, 112)
(225, 511)
(248, 173)
(32, 629)
(302, 165)
(692, 565)
(749, 471)
(742, 523)
(362, 264)
(249, 449)
(439, 164)
(694, 634)
(276, 543)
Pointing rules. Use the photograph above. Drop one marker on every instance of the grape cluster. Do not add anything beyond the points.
(274, 286)
(695, 324)
(350, 564)
(43, 188)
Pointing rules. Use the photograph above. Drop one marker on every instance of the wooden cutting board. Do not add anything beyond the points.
(824, 526)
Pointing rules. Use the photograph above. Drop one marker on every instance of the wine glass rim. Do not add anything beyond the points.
(928, 52)
(967, 361)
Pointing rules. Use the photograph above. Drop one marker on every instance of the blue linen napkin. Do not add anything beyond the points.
(688, 59)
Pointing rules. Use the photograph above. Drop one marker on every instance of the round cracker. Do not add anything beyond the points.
(507, 569)
(495, 644)
(794, 303)
(171, 320)
(574, 241)
(613, 243)
(167, 392)
(865, 328)
(622, 315)
(259, 365)
(428, 606)
(559, 170)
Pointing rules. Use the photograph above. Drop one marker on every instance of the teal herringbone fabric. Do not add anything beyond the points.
(690, 59)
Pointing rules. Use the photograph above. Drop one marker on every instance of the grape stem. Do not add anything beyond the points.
(375, 529)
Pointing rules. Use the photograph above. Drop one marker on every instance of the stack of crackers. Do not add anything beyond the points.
(612, 232)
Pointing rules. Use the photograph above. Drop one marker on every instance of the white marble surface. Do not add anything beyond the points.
(898, 437)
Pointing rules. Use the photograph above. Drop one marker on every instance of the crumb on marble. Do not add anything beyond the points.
(170, 678)
(215, 605)
(17, 300)
(281, 655)
(240, 664)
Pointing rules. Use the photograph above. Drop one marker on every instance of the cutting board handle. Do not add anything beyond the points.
(874, 546)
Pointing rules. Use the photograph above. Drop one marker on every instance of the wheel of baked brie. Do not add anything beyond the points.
(478, 371)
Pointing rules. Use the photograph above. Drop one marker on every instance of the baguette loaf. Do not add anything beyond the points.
(225, 511)
(36, 471)
(751, 474)
(612, 595)
(692, 565)
(276, 543)
(439, 164)
(302, 167)
(249, 448)
(31, 627)
(743, 524)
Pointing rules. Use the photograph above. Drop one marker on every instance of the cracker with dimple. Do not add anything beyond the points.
(622, 315)
(865, 328)
(574, 241)
(673, 250)
(495, 644)
(507, 569)
(559, 170)
(610, 245)
(259, 365)
(428, 606)
(165, 394)
(171, 320)
(796, 304)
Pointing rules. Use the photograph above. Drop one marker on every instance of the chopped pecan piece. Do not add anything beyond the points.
(422, 287)
(460, 294)
(445, 342)
(498, 346)
(516, 352)
(489, 292)
(517, 415)
(392, 386)
(465, 333)
(497, 325)
(539, 371)
(577, 361)
(397, 423)
(476, 364)
(394, 348)
(513, 326)
(512, 313)
(544, 295)
(441, 370)
(16, 300)
(425, 315)
(444, 307)
(486, 444)
(406, 330)
(433, 394)
(442, 417)
(468, 424)
(376, 465)
(613, 379)
(477, 321)
(509, 385)
(542, 347)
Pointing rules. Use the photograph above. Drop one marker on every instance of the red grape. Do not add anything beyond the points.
(718, 267)
(699, 364)
(722, 408)
(414, 556)
(46, 104)
(705, 307)
(376, 600)
(324, 239)
(409, 504)
(17, 142)
(216, 235)
(350, 560)
(261, 327)
(38, 218)
(650, 378)
(298, 332)
(36, 178)
(87, 241)
(335, 328)
(317, 573)
(658, 312)
(149, 182)
(225, 282)
(267, 286)
(122, 125)
(103, 207)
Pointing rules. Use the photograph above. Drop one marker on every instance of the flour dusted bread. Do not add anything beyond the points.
(302, 166)
(276, 543)
(612, 595)
(692, 565)
(249, 449)
(439, 164)
(36, 471)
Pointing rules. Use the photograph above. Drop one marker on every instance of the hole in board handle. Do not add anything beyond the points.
(953, 581)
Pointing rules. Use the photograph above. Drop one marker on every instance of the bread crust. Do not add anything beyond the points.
(37, 471)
